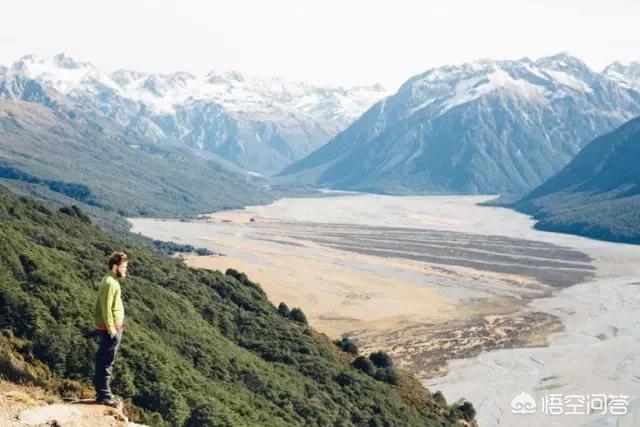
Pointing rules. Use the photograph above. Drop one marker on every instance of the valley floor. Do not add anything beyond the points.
(435, 281)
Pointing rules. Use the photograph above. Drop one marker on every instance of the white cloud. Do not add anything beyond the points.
(329, 41)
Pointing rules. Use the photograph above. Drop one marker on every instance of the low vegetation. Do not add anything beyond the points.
(171, 248)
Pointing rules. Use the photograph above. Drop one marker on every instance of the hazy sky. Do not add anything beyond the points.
(325, 41)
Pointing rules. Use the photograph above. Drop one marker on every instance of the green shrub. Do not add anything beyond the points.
(298, 315)
(363, 364)
(439, 398)
(381, 359)
(284, 310)
(387, 375)
(165, 400)
(464, 409)
(346, 345)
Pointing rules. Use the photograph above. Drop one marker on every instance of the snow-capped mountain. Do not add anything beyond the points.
(627, 74)
(259, 124)
(481, 127)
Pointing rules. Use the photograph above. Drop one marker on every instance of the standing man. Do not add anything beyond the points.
(109, 320)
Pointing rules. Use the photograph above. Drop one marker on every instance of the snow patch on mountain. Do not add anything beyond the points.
(539, 82)
(563, 79)
(499, 80)
(625, 73)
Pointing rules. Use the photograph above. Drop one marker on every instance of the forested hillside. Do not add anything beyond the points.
(598, 193)
(201, 348)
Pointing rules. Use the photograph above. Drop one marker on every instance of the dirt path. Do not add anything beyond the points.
(31, 406)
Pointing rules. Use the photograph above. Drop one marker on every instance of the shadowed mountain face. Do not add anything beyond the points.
(260, 125)
(481, 127)
(598, 193)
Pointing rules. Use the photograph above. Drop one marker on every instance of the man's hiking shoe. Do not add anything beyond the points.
(110, 401)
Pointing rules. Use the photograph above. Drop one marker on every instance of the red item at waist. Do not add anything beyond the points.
(103, 326)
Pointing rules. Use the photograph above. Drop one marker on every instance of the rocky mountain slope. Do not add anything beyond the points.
(481, 127)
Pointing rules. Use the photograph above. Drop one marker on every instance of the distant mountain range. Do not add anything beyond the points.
(56, 154)
(481, 127)
(598, 193)
(130, 143)
(169, 145)
(261, 125)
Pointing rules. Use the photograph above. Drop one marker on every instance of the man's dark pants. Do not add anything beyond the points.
(105, 357)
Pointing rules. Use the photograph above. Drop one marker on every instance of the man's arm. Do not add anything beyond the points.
(107, 307)
(117, 302)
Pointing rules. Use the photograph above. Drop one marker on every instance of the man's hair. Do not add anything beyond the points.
(117, 258)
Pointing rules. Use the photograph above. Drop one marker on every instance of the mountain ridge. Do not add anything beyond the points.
(485, 126)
